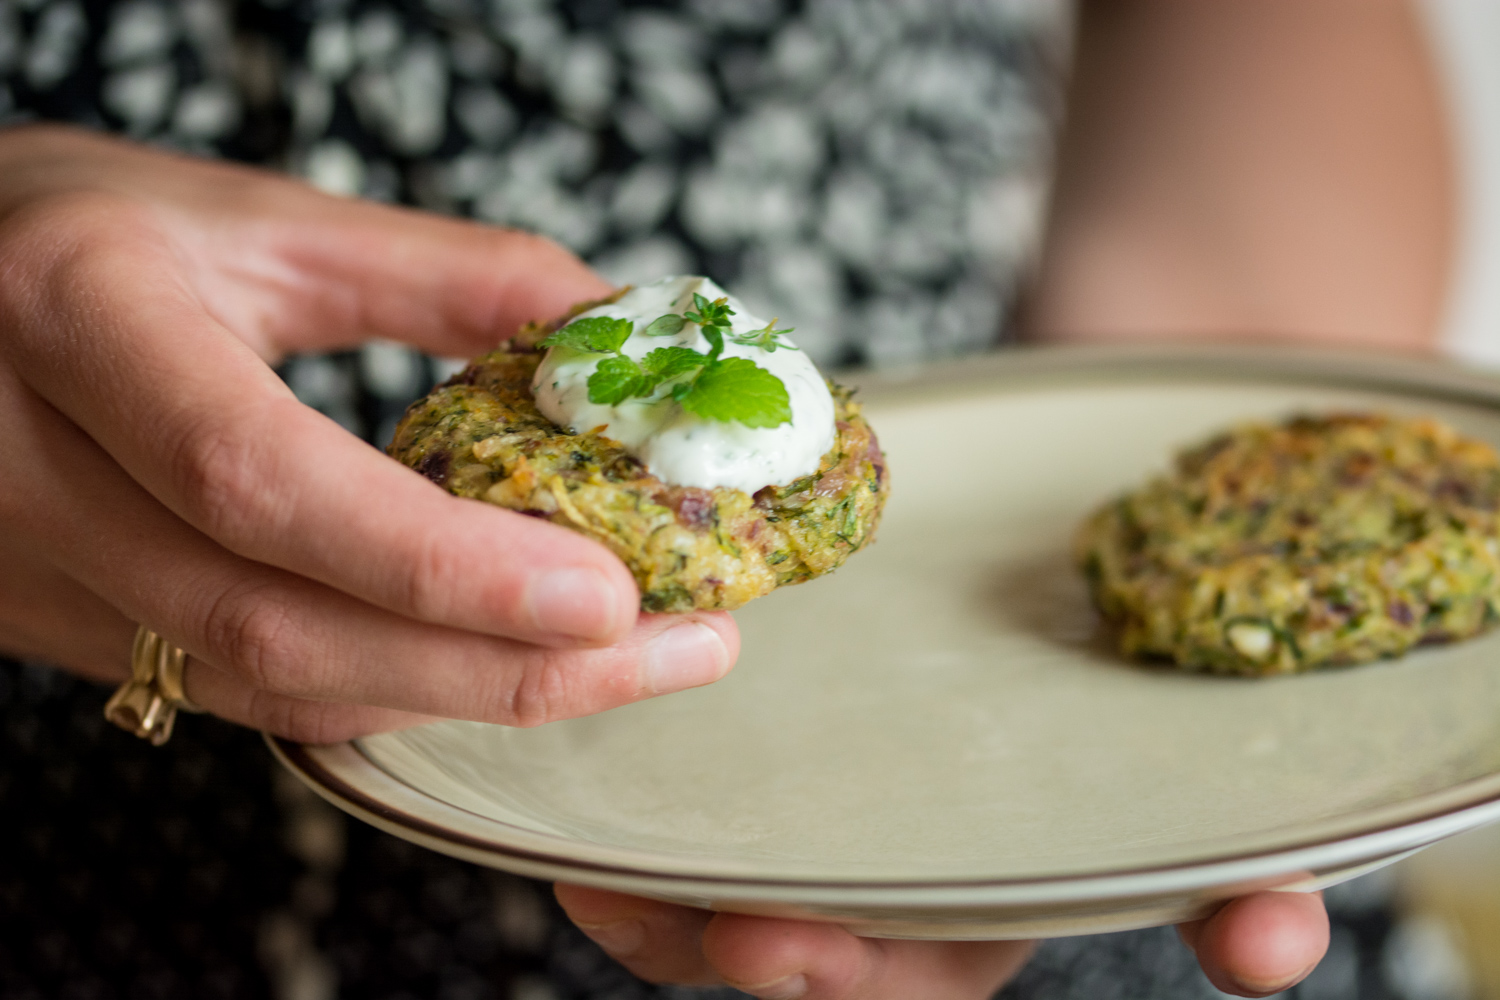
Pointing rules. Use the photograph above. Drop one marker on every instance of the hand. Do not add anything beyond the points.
(154, 469)
(1254, 946)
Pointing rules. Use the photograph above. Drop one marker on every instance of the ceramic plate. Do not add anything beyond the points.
(939, 740)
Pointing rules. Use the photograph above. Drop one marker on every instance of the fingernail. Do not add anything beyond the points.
(621, 939)
(790, 988)
(683, 657)
(1252, 988)
(575, 602)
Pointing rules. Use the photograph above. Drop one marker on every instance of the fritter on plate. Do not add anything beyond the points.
(481, 435)
(1322, 540)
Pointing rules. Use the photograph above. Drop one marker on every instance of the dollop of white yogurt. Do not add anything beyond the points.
(675, 445)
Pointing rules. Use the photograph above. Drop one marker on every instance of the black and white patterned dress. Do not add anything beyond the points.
(872, 171)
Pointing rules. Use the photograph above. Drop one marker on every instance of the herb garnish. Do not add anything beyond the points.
(767, 339)
(713, 387)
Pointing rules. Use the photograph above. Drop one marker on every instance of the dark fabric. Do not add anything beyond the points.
(126, 872)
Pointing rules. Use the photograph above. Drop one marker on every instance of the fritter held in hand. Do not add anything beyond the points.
(480, 435)
(1322, 540)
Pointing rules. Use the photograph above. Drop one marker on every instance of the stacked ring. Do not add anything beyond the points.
(147, 704)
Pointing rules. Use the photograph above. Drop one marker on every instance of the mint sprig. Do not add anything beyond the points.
(767, 339)
(737, 389)
(597, 335)
(713, 387)
(669, 362)
(616, 380)
(713, 319)
(665, 326)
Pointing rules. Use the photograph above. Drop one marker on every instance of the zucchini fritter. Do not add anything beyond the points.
(480, 435)
(1322, 540)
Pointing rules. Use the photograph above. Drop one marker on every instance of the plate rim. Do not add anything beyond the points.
(1453, 809)
(320, 766)
(1034, 366)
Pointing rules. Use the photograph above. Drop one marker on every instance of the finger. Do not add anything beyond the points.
(448, 287)
(227, 696)
(46, 615)
(293, 269)
(790, 960)
(290, 636)
(230, 450)
(1261, 944)
(659, 942)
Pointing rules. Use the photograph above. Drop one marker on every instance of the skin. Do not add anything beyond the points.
(1253, 946)
(157, 470)
(1229, 169)
(1252, 171)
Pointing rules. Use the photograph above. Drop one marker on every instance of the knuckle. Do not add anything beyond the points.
(253, 632)
(438, 573)
(297, 720)
(58, 225)
(540, 694)
(56, 245)
(62, 216)
(216, 468)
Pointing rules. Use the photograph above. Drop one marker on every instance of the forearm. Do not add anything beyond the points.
(1250, 169)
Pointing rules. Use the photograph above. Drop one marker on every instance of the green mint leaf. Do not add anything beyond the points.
(666, 326)
(713, 319)
(706, 313)
(737, 389)
(616, 380)
(597, 335)
(767, 339)
(669, 362)
(724, 389)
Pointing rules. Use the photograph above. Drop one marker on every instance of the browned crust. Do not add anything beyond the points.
(480, 435)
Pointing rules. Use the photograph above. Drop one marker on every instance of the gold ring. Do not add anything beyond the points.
(147, 704)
